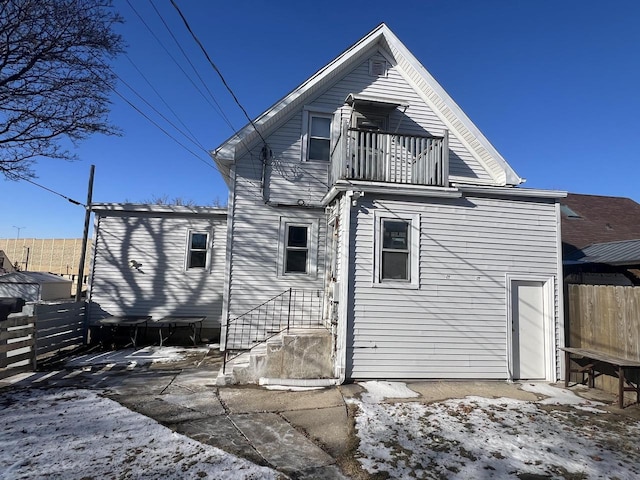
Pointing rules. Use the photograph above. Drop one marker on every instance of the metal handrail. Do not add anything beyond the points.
(290, 309)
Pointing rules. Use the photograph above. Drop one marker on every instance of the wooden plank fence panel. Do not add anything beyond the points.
(16, 333)
(60, 325)
(51, 328)
(607, 319)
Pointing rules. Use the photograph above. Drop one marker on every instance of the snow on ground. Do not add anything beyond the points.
(77, 434)
(135, 357)
(378, 390)
(477, 437)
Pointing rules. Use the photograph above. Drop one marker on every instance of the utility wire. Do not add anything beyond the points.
(216, 108)
(193, 137)
(204, 84)
(132, 105)
(213, 65)
(192, 140)
(70, 200)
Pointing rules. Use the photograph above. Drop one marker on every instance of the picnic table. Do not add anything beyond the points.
(115, 322)
(167, 326)
(596, 359)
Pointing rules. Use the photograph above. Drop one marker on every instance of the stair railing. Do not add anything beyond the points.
(292, 308)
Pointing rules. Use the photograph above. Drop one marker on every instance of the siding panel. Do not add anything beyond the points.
(454, 325)
(161, 286)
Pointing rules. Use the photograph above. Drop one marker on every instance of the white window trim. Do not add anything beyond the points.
(209, 250)
(307, 113)
(312, 244)
(414, 250)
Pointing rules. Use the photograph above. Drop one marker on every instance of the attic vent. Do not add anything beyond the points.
(377, 68)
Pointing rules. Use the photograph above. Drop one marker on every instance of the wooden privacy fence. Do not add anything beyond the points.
(46, 329)
(607, 319)
(17, 352)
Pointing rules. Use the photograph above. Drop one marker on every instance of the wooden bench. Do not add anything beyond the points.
(595, 358)
(172, 323)
(115, 322)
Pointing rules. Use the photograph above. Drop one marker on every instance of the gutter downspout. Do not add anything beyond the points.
(343, 307)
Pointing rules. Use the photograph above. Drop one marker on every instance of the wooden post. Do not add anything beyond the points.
(85, 235)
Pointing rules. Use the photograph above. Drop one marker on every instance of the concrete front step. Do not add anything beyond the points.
(298, 354)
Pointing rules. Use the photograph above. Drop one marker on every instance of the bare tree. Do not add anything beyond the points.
(54, 77)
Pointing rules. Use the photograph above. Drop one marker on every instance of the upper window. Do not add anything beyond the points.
(316, 134)
(319, 137)
(397, 241)
(198, 250)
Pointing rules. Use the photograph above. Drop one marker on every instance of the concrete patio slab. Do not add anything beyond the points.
(437, 391)
(132, 383)
(220, 432)
(197, 379)
(205, 402)
(280, 444)
(327, 426)
(160, 410)
(251, 399)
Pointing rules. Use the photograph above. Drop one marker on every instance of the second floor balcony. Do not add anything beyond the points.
(376, 156)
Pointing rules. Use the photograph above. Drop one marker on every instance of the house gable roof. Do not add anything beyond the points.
(594, 219)
(418, 77)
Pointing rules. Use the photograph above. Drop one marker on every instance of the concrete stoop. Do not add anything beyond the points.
(298, 357)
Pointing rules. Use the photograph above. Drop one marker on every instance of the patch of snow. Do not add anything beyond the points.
(131, 357)
(377, 391)
(74, 434)
(561, 396)
(485, 438)
(291, 388)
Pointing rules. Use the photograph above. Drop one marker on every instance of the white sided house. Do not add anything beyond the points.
(158, 260)
(369, 205)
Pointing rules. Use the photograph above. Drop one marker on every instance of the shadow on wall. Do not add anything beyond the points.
(139, 269)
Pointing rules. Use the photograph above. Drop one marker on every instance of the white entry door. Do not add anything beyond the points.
(528, 330)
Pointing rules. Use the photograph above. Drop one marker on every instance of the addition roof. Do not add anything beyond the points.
(422, 81)
(626, 252)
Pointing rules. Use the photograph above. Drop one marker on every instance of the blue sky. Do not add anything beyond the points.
(552, 84)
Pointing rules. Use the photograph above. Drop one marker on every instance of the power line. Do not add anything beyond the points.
(216, 107)
(193, 137)
(204, 84)
(192, 140)
(70, 200)
(213, 65)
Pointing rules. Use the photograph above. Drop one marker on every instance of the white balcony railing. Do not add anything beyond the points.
(390, 157)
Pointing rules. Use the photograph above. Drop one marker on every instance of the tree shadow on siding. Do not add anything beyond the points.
(139, 269)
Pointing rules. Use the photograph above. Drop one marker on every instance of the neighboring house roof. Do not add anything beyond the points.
(383, 39)
(595, 219)
(612, 253)
(32, 278)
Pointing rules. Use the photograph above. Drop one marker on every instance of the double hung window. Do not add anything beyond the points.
(197, 250)
(395, 250)
(316, 135)
(396, 244)
(298, 247)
